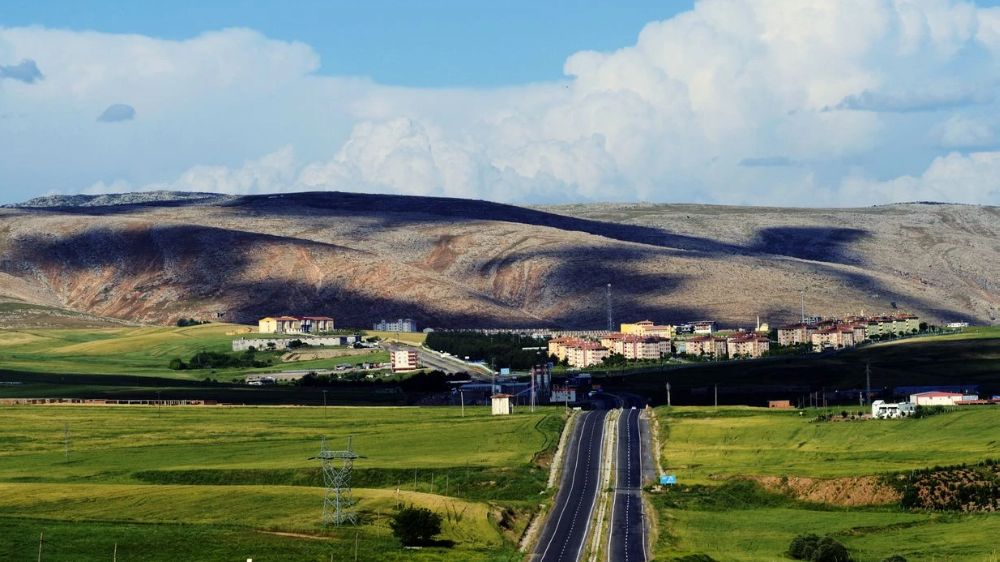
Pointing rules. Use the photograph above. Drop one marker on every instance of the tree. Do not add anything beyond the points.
(615, 359)
(415, 525)
(177, 365)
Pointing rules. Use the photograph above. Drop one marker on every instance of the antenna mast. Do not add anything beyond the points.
(338, 504)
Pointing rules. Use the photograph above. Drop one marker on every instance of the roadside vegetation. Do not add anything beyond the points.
(770, 477)
(497, 350)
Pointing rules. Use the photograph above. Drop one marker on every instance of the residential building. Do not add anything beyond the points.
(647, 328)
(585, 354)
(398, 325)
(747, 345)
(885, 410)
(640, 347)
(316, 324)
(403, 359)
(833, 338)
(780, 404)
(705, 327)
(705, 346)
(796, 334)
(559, 346)
(279, 325)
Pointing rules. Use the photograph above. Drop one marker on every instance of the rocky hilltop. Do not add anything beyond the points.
(462, 263)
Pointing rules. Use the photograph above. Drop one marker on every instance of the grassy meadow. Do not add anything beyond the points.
(144, 351)
(186, 483)
(711, 512)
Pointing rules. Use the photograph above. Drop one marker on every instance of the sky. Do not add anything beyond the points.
(754, 102)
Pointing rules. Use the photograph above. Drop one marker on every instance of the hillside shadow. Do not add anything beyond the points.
(815, 243)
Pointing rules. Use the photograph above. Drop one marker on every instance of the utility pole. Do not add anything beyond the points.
(611, 325)
(802, 303)
(461, 395)
(41, 539)
(716, 395)
(868, 381)
(325, 413)
(66, 440)
(668, 394)
(159, 403)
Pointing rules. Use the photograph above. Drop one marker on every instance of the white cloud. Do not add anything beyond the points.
(735, 101)
(972, 178)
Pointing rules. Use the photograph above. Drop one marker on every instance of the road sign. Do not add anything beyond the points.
(668, 479)
(504, 371)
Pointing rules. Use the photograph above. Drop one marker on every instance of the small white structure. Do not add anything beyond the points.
(501, 404)
(958, 325)
(562, 394)
(403, 360)
(883, 410)
(936, 398)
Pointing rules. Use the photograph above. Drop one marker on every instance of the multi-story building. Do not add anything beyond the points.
(835, 337)
(295, 324)
(705, 346)
(647, 328)
(399, 325)
(403, 359)
(559, 346)
(796, 334)
(585, 354)
(640, 347)
(705, 327)
(747, 345)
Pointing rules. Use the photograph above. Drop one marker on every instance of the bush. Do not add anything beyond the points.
(177, 365)
(815, 549)
(415, 525)
(695, 558)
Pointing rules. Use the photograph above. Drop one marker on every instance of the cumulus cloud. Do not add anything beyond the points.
(734, 101)
(117, 112)
(25, 71)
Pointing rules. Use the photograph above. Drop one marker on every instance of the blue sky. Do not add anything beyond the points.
(758, 102)
(411, 43)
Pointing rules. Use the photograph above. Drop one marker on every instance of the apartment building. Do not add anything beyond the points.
(796, 334)
(403, 359)
(747, 345)
(639, 347)
(705, 346)
(836, 337)
(585, 354)
(647, 328)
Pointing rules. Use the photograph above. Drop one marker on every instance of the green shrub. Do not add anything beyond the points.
(177, 365)
(815, 549)
(695, 558)
(415, 525)
(803, 546)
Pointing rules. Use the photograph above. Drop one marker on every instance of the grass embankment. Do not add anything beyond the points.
(712, 512)
(189, 483)
(139, 351)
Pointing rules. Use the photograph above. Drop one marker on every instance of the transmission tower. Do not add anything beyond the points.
(611, 325)
(337, 467)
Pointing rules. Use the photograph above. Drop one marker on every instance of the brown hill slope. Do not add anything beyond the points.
(450, 262)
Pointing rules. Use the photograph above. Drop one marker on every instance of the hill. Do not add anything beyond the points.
(464, 263)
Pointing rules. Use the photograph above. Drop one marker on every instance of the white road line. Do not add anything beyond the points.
(568, 490)
(593, 500)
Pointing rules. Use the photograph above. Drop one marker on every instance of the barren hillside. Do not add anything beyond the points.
(450, 262)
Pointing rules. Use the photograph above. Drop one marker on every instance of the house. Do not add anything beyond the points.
(937, 398)
(796, 334)
(706, 346)
(559, 346)
(781, 404)
(315, 324)
(747, 345)
(884, 410)
(279, 325)
(403, 359)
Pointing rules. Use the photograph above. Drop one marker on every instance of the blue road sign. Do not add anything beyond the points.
(668, 479)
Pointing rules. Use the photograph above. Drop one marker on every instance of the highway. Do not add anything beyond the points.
(565, 532)
(627, 542)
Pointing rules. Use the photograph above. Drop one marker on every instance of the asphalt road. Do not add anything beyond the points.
(565, 532)
(628, 530)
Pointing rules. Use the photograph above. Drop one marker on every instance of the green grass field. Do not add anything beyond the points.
(137, 351)
(706, 447)
(187, 483)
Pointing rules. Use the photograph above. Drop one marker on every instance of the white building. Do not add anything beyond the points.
(883, 410)
(938, 398)
(398, 325)
(501, 404)
(403, 359)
